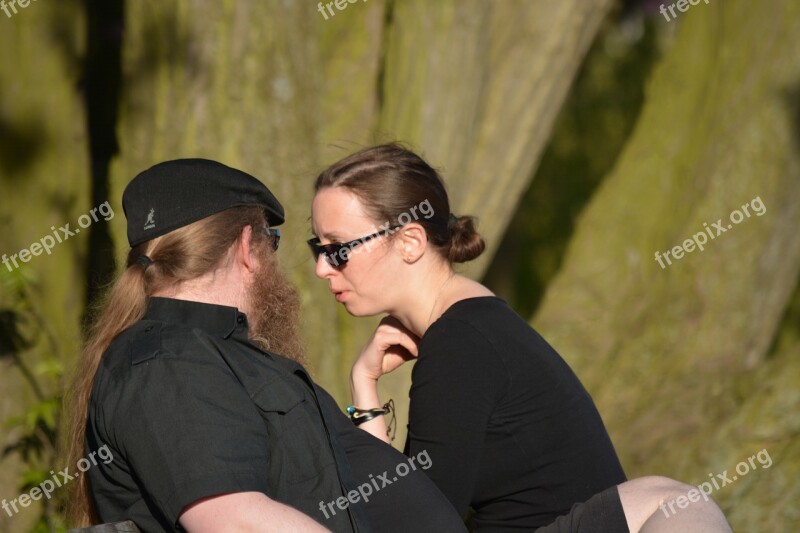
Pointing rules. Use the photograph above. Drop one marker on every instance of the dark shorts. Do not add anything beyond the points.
(602, 513)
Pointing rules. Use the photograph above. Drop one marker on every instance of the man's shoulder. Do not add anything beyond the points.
(153, 361)
(149, 340)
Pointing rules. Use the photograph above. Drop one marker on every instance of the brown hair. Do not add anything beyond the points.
(391, 181)
(181, 255)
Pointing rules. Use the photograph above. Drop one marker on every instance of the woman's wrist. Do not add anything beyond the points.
(364, 391)
(360, 373)
(365, 396)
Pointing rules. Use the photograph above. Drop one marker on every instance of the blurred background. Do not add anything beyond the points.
(585, 135)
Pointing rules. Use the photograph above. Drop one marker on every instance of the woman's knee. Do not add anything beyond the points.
(656, 504)
(650, 488)
(642, 497)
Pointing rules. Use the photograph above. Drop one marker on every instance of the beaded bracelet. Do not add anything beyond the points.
(359, 416)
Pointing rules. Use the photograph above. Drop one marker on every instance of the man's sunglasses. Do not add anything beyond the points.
(337, 254)
(275, 235)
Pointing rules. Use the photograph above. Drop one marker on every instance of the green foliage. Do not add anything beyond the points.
(23, 334)
(43, 184)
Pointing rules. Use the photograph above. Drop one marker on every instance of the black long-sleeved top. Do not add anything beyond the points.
(508, 426)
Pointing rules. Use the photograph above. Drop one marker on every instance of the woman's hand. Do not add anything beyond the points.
(390, 346)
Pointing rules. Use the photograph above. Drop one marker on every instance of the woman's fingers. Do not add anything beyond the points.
(392, 332)
(390, 346)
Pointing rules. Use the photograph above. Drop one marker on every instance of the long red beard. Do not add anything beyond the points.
(274, 315)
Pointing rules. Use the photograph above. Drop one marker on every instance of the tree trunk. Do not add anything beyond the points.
(274, 88)
(676, 357)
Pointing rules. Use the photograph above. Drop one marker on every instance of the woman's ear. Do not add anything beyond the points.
(412, 240)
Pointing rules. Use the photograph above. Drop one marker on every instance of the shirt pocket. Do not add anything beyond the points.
(298, 446)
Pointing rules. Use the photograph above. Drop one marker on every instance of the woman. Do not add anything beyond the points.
(509, 429)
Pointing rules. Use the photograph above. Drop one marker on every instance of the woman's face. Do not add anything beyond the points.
(366, 283)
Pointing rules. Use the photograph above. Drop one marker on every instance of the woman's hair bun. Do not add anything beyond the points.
(465, 242)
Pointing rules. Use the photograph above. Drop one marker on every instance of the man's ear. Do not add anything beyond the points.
(244, 249)
(412, 240)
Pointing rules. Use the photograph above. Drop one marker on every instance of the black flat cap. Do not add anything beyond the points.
(176, 193)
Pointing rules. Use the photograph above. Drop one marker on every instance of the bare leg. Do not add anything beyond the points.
(656, 504)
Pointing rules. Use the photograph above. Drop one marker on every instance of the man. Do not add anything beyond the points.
(211, 429)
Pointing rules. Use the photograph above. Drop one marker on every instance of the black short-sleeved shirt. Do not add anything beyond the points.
(515, 434)
(190, 409)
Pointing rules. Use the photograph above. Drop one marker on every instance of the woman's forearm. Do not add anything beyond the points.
(365, 396)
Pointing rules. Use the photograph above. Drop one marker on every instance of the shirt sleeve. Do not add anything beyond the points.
(456, 383)
(188, 430)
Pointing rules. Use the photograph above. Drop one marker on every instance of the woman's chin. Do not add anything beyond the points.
(353, 310)
(356, 310)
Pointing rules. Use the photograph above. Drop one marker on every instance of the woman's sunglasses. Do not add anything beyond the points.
(337, 254)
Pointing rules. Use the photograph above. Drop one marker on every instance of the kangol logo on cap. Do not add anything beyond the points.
(150, 223)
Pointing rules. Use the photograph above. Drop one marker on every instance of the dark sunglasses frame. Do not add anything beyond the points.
(275, 235)
(332, 252)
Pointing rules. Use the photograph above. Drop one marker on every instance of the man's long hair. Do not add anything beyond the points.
(181, 255)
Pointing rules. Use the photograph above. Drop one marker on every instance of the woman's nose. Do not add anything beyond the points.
(322, 269)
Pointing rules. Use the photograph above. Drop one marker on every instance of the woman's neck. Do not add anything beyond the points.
(441, 292)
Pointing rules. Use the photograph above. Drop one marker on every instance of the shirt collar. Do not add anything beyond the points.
(219, 320)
